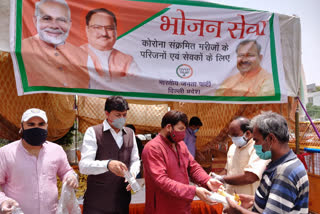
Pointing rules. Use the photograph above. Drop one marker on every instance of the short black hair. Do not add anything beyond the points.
(131, 127)
(117, 103)
(173, 117)
(195, 121)
(244, 124)
(100, 10)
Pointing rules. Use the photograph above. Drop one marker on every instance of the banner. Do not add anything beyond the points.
(177, 50)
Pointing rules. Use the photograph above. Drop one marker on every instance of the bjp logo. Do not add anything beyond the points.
(184, 71)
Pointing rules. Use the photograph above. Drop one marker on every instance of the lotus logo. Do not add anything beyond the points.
(184, 71)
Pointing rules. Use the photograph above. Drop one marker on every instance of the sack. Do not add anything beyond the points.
(68, 203)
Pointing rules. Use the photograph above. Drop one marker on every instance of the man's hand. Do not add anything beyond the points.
(71, 180)
(128, 187)
(117, 167)
(246, 200)
(214, 184)
(233, 208)
(204, 194)
(8, 206)
(218, 177)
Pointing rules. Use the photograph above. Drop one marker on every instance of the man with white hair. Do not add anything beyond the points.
(105, 62)
(48, 59)
(29, 168)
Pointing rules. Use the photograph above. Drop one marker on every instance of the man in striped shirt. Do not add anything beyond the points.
(284, 187)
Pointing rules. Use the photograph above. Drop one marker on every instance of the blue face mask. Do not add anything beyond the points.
(262, 155)
(195, 131)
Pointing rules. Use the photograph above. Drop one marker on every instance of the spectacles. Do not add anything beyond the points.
(101, 27)
(246, 55)
(49, 20)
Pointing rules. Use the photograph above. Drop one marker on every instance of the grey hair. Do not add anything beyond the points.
(244, 42)
(62, 2)
(271, 122)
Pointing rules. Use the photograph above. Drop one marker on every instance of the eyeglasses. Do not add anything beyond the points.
(246, 55)
(101, 27)
(49, 20)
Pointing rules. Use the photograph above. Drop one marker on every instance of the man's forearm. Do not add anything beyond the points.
(241, 179)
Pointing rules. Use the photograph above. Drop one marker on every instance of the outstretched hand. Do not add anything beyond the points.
(204, 195)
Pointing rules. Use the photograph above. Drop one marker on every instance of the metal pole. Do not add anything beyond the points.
(297, 130)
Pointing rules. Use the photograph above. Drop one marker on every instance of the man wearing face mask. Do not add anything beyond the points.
(284, 187)
(29, 168)
(167, 166)
(190, 138)
(244, 168)
(108, 150)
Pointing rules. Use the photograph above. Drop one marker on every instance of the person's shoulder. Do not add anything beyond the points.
(53, 146)
(153, 144)
(119, 53)
(291, 169)
(75, 50)
(27, 42)
(265, 73)
(10, 146)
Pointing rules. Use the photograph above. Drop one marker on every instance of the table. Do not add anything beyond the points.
(197, 207)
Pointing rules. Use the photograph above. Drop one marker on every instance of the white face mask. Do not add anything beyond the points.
(239, 141)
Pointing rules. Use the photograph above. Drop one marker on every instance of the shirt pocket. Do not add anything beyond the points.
(51, 170)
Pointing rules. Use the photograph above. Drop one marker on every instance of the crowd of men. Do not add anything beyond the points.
(261, 167)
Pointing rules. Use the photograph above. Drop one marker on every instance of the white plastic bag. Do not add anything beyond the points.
(68, 203)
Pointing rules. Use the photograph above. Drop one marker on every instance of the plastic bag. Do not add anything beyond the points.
(17, 210)
(220, 197)
(68, 203)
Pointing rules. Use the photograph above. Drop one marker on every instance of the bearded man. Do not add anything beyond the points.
(168, 164)
(48, 59)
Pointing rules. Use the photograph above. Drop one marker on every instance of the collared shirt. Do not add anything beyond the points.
(90, 166)
(190, 140)
(244, 159)
(98, 82)
(284, 187)
(62, 66)
(167, 172)
(255, 83)
(31, 180)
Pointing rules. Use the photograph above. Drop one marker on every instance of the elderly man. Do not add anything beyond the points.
(252, 80)
(108, 150)
(284, 187)
(48, 59)
(244, 168)
(105, 62)
(167, 166)
(29, 168)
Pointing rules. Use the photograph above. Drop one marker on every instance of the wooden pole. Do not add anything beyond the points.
(297, 130)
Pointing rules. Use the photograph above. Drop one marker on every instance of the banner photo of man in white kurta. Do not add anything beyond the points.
(187, 51)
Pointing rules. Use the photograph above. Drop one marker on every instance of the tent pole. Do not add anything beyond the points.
(297, 130)
(76, 127)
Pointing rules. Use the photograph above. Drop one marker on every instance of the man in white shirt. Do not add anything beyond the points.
(105, 62)
(244, 168)
(108, 150)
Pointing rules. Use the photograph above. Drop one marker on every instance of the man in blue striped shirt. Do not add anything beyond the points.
(284, 187)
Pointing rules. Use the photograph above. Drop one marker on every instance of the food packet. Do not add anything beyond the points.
(221, 197)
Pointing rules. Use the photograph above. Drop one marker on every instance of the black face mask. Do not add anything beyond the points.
(35, 136)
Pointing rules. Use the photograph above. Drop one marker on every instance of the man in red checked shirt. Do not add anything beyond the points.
(167, 166)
